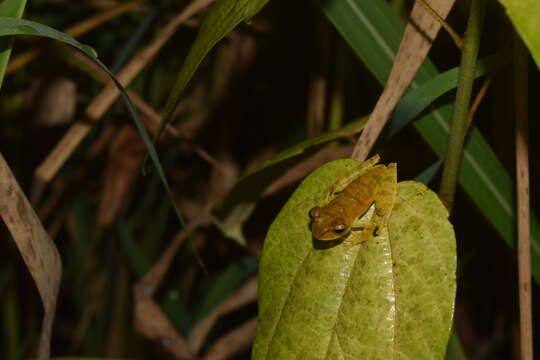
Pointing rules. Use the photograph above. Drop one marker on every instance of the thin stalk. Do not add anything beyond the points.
(523, 208)
(478, 99)
(453, 34)
(459, 127)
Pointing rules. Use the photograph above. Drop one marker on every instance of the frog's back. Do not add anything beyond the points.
(358, 196)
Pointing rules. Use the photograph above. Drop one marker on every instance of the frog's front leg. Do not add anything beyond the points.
(342, 182)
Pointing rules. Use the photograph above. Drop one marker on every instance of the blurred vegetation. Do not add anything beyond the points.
(276, 80)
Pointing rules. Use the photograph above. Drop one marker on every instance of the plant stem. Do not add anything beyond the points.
(523, 201)
(463, 99)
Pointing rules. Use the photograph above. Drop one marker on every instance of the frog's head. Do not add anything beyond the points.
(326, 226)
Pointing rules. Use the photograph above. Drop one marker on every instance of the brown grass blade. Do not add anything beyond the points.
(523, 200)
(416, 42)
(478, 98)
(37, 249)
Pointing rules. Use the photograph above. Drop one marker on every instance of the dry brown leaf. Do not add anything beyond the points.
(37, 249)
(233, 342)
(244, 295)
(413, 49)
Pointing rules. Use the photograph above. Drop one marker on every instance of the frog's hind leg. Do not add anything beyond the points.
(359, 236)
(386, 195)
(342, 182)
(361, 230)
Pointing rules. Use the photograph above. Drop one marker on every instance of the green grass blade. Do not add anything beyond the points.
(224, 16)
(11, 9)
(525, 15)
(10, 27)
(373, 30)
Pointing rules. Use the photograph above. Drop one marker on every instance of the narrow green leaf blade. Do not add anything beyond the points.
(222, 18)
(11, 9)
(390, 297)
(373, 30)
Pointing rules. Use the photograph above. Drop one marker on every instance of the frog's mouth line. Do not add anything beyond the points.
(327, 244)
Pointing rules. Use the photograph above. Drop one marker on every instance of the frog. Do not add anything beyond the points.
(369, 188)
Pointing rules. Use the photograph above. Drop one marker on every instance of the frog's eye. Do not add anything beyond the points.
(339, 229)
(315, 212)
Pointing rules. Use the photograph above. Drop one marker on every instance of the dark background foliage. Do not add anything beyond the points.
(249, 100)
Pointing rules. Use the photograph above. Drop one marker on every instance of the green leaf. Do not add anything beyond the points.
(231, 213)
(374, 31)
(387, 298)
(10, 26)
(222, 18)
(525, 15)
(11, 9)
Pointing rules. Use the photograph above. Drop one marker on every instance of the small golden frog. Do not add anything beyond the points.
(350, 198)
